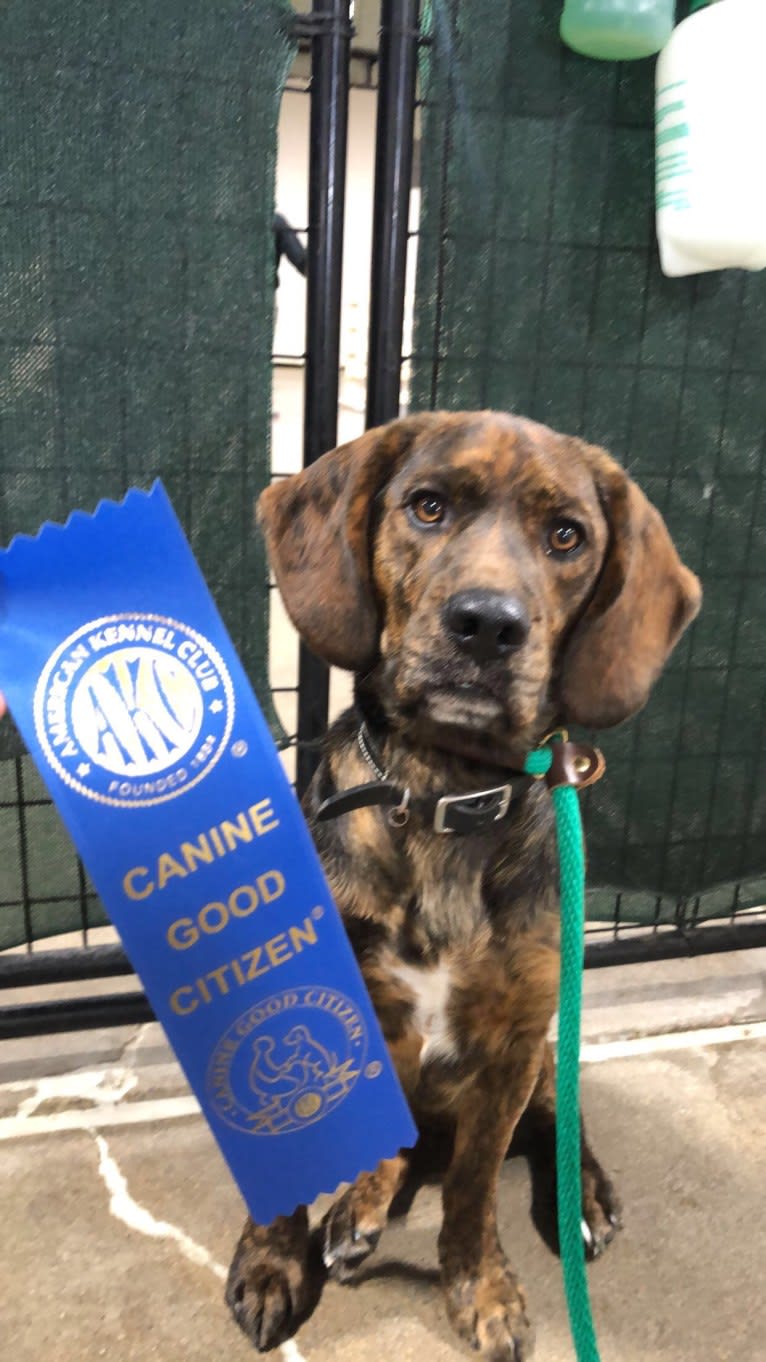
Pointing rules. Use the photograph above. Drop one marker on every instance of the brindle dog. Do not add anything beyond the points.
(486, 579)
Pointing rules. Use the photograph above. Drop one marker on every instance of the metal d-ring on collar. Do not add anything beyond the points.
(399, 816)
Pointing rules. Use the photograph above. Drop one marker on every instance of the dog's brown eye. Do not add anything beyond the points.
(428, 507)
(564, 536)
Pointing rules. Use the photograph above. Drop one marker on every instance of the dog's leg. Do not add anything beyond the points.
(354, 1224)
(485, 1302)
(601, 1213)
(274, 1282)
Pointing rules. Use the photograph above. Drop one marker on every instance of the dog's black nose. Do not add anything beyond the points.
(486, 624)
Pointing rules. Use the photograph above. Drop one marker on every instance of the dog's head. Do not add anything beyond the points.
(484, 573)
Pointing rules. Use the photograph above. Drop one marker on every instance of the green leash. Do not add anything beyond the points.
(571, 847)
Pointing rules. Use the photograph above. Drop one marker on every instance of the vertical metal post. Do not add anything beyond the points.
(330, 50)
(393, 175)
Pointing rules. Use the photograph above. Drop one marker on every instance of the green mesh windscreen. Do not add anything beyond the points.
(137, 153)
(539, 290)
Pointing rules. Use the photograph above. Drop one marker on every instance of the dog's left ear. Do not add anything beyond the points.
(643, 601)
(318, 534)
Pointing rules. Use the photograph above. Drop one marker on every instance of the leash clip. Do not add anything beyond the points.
(574, 764)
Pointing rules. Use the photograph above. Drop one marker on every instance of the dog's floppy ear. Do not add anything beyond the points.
(318, 532)
(643, 601)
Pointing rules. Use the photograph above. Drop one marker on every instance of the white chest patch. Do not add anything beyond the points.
(431, 988)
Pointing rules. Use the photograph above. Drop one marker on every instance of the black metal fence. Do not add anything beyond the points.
(327, 30)
(325, 33)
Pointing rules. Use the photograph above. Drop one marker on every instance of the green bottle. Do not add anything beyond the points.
(617, 30)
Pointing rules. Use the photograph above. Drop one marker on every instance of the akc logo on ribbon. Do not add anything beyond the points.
(133, 709)
(288, 1061)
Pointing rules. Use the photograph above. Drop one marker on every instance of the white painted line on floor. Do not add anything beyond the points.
(596, 1053)
(106, 1115)
(100, 1118)
(102, 1087)
(106, 1088)
(137, 1217)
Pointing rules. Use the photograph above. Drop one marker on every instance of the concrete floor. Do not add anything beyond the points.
(117, 1235)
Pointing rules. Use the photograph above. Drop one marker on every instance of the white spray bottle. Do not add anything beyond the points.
(711, 140)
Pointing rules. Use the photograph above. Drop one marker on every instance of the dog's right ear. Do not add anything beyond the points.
(318, 534)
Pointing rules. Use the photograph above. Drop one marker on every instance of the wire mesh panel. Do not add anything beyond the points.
(539, 291)
(137, 151)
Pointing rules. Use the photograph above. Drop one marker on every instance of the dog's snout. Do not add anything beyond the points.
(486, 624)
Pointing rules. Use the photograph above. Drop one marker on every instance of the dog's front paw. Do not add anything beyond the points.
(347, 1238)
(270, 1289)
(601, 1210)
(489, 1311)
(601, 1213)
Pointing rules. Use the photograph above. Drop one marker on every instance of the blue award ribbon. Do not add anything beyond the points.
(128, 693)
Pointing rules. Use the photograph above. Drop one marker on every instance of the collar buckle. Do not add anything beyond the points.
(464, 812)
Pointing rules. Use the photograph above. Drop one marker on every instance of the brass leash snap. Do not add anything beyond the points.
(576, 764)
(562, 736)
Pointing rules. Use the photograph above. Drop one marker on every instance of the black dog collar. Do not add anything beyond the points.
(472, 811)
